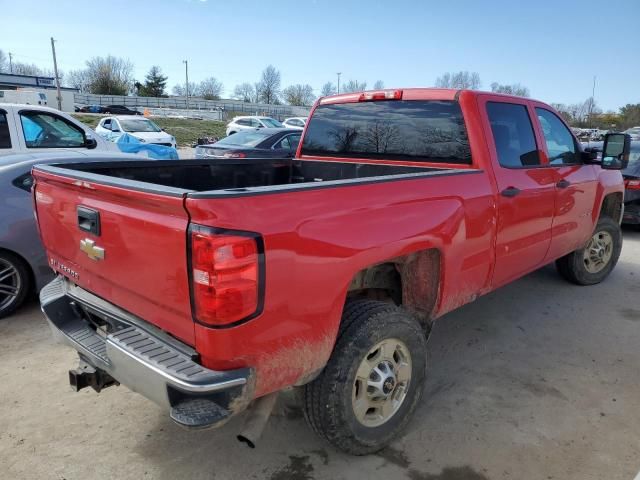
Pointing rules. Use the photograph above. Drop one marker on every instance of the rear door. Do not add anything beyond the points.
(575, 184)
(525, 184)
(126, 245)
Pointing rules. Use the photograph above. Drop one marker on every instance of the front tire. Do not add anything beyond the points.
(373, 380)
(592, 263)
(15, 283)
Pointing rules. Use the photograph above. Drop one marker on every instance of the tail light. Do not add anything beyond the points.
(632, 184)
(226, 270)
(380, 95)
(234, 155)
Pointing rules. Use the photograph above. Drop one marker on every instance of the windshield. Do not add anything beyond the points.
(270, 122)
(139, 125)
(249, 138)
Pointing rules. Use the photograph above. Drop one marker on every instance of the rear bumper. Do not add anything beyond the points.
(143, 358)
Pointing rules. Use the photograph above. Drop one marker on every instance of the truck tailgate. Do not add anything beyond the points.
(126, 245)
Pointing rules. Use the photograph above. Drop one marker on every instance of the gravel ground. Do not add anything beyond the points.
(538, 380)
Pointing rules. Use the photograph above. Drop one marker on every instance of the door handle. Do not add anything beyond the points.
(510, 192)
(89, 220)
(563, 184)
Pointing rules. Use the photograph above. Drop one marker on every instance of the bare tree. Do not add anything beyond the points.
(244, 92)
(179, 89)
(26, 69)
(463, 79)
(109, 75)
(354, 86)
(513, 89)
(4, 64)
(328, 89)
(299, 95)
(78, 79)
(257, 92)
(270, 85)
(379, 85)
(211, 89)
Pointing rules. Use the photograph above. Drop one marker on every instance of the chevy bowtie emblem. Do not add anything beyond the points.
(89, 247)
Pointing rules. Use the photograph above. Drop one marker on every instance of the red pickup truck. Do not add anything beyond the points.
(209, 285)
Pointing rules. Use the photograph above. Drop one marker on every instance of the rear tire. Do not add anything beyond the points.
(592, 263)
(373, 380)
(15, 283)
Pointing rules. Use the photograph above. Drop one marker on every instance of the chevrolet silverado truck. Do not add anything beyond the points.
(210, 285)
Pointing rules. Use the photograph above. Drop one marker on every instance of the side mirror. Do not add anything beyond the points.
(615, 151)
(90, 143)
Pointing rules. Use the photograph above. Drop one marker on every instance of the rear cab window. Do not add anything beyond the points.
(402, 130)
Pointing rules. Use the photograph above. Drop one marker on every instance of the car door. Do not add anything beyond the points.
(575, 184)
(42, 130)
(526, 187)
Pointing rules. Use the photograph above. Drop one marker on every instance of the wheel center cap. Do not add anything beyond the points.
(388, 385)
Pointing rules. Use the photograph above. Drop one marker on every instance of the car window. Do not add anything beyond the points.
(115, 126)
(107, 124)
(139, 125)
(45, 130)
(244, 121)
(561, 147)
(295, 122)
(271, 123)
(255, 123)
(244, 138)
(294, 140)
(24, 182)
(513, 135)
(421, 131)
(5, 135)
(283, 143)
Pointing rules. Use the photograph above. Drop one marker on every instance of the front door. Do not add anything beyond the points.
(526, 188)
(574, 216)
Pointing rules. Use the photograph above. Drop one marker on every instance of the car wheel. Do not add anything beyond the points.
(15, 283)
(373, 381)
(592, 263)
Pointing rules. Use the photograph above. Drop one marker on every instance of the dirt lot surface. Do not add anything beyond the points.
(539, 380)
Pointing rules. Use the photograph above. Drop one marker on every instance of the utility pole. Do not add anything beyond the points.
(55, 71)
(339, 73)
(186, 76)
(10, 63)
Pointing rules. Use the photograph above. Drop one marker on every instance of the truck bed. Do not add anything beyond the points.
(236, 177)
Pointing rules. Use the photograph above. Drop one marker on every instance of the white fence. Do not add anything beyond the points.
(198, 107)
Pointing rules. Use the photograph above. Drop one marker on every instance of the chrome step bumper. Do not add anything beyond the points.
(139, 356)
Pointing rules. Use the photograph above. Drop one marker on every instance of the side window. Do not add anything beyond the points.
(561, 146)
(5, 135)
(44, 130)
(244, 122)
(513, 135)
(24, 182)
(284, 143)
(255, 123)
(115, 126)
(294, 140)
(106, 124)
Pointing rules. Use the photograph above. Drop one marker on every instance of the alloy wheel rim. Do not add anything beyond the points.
(381, 383)
(10, 284)
(598, 252)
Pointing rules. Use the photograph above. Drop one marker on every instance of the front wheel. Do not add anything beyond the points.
(594, 262)
(373, 381)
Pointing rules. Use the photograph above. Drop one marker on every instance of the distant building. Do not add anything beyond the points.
(46, 85)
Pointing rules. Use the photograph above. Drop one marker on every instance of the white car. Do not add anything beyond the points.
(139, 127)
(634, 132)
(296, 123)
(247, 123)
(34, 128)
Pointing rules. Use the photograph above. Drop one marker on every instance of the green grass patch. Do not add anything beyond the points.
(186, 130)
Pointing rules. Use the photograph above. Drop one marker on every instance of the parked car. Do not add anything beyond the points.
(296, 123)
(24, 267)
(33, 128)
(634, 132)
(207, 284)
(143, 129)
(119, 110)
(631, 176)
(247, 123)
(256, 143)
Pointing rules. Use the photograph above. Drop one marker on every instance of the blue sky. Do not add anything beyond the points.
(553, 47)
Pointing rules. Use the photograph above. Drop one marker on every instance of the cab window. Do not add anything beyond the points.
(561, 147)
(513, 135)
(5, 135)
(44, 130)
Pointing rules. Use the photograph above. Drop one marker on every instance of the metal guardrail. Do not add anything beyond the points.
(196, 105)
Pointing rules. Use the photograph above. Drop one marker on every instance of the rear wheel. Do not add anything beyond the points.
(15, 283)
(373, 381)
(594, 262)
